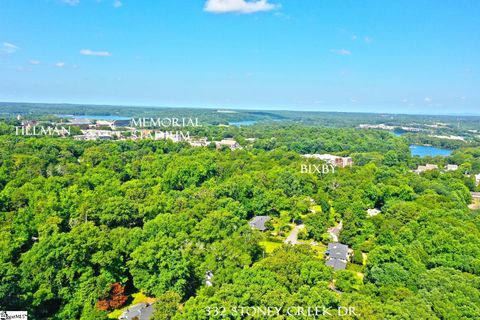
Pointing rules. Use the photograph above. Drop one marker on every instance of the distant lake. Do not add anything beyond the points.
(397, 133)
(92, 117)
(242, 123)
(424, 151)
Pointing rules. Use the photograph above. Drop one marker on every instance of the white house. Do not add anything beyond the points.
(477, 178)
(427, 167)
(451, 167)
(232, 144)
(337, 161)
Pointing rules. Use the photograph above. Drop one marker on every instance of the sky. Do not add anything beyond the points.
(409, 56)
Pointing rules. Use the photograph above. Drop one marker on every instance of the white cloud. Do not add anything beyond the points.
(71, 2)
(427, 99)
(342, 52)
(34, 62)
(117, 4)
(354, 37)
(368, 40)
(8, 48)
(239, 6)
(60, 64)
(88, 52)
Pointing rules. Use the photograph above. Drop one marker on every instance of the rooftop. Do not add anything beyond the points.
(337, 264)
(258, 222)
(336, 250)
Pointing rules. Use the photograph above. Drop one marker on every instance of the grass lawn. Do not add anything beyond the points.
(319, 249)
(356, 268)
(137, 298)
(270, 246)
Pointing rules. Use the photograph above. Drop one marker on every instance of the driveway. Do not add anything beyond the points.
(335, 231)
(293, 236)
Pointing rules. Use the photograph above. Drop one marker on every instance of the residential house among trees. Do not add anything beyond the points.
(336, 161)
(337, 255)
(232, 144)
(258, 222)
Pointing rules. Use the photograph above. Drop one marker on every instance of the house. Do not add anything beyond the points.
(199, 143)
(105, 123)
(426, 167)
(337, 255)
(451, 167)
(232, 144)
(141, 311)
(258, 222)
(477, 178)
(373, 212)
(336, 264)
(337, 161)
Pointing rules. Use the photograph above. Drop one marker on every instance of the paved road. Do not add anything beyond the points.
(335, 231)
(293, 236)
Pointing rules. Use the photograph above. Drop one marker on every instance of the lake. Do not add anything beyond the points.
(425, 151)
(242, 123)
(397, 133)
(93, 117)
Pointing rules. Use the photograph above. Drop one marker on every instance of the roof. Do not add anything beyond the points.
(336, 250)
(229, 142)
(258, 222)
(79, 121)
(373, 212)
(142, 311)
(337, 264)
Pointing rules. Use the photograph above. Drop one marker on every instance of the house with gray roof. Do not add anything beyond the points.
(141, 311)
(336, 264)
(337, 255)
(258, 222)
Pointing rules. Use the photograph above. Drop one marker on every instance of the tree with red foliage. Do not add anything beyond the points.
(115, 299)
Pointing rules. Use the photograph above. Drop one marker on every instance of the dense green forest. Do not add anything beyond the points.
(81, 217)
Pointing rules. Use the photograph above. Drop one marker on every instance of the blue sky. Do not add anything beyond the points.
(412, 56)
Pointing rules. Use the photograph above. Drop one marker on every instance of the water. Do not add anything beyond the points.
(101, 117)
(397, 133)
(425, 151)
(242, 123)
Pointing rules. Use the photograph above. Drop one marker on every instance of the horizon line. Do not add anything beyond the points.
(468, 114)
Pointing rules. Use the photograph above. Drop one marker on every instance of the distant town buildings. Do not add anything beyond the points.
(336, 161)
(376, 126)
(93, 134)
(337, 256)
(477, 179)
